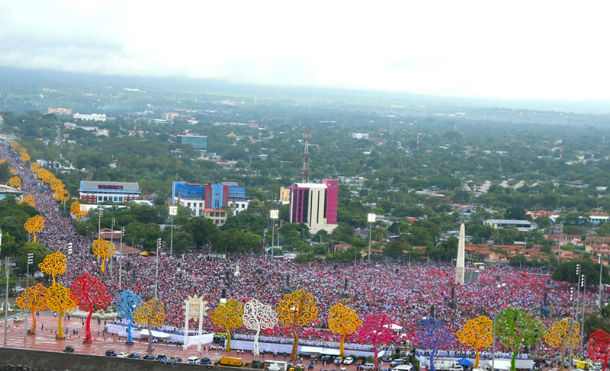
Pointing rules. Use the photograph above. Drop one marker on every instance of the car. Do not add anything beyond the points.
(348, 360)
(327, 358)
(397, 361)
(338, 360)
(122, 355)
(134, 356)
(110, 353)
(205, 361)
(68, 349)
(161, 357)
(193, 360)
(367, 366)
(257, 364)
(174, 359)
(149, 356)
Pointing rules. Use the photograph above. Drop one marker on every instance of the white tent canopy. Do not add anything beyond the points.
(157, 334)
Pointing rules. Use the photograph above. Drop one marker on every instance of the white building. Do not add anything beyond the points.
(197, 205)
(237, 206)
(360, 135)
(92, 117)
(521, 225)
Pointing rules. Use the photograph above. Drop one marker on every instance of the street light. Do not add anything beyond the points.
(274, 215)
(100, 213)
(7, 275)
(599, 256)
(370, 218)
(121, 257)
(173, 211)
(157, 266)
(112, 241)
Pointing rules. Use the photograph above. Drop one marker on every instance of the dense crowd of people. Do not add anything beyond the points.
(406, 292)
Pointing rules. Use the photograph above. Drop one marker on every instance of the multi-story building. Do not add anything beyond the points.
(197, 141)
(60, 110)
(198, 197)
(92, 117)
(218, 216)
(105, 191)
(315, 205)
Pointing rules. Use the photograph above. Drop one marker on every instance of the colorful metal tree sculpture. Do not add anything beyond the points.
(477, 333)
(34, 225)
(257, 317)
(28, 199)
(53, 264)
(343, 320)
(228, 316)
(126, 303)
(60, 300)
(434, 334)
(599, 347)
(33, 299)
(376, 330)
(152, 315)
(77, 210)
(296, 309)
(103, 250)
(517, 329)
(558, 336)
(14, 182)
(91, 294)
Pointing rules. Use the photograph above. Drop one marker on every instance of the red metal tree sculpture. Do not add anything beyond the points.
(376, 330)
(599, 347)
(91, 294)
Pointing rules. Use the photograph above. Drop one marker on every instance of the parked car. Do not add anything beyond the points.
(338, 360)
(149, 357)
(205, 361)
(192, 360)
(367, 366)
(110, 353)
(348, 360)
(397, 361)
(161, 357)
(257, 364)
(327, 358)
(122, 355)
(134, 356)
(68, 349)
(173, 360)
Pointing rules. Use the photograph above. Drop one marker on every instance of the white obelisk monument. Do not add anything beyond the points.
(459, 265)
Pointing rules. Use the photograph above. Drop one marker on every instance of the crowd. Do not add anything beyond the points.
(406, 293)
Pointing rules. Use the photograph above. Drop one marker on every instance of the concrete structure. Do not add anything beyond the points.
(9, 191)
(218, 216)
(359, 135)
(59, 110)
(315, 205)
(460, 263)
(197, 141)
(92, 117)
(521, 225)
(212, 196)
(284, 195)
(105, 191)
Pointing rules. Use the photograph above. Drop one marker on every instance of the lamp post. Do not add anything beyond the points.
(6, 275)
(583, 284)
(600, 281)
(30, 260)
(112, 242)
(571, 326)
(274, 215)
(370, 218)
(121, 258)
(157, 266)
(493, 352)
(173, 211)
(100, 213)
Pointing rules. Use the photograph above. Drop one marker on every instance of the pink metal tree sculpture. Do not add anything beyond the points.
(376, 330)
(91, 294)
(599, 347)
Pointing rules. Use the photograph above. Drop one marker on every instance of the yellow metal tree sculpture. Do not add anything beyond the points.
(152, 315)
(34, 225)
(297, 309)
(14, 182)
(103, 250)
(77, 211)
(28, 199)
(60, 300)
(228, 316)
(477, 333)
(343, 320)
(33, 299)
(53, 264)
(558, 336)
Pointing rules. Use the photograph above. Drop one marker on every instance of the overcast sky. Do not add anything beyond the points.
(493, 49)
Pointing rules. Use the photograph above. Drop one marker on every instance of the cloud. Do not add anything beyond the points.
(518, 49)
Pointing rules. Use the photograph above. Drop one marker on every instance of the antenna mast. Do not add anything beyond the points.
(305, 155)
